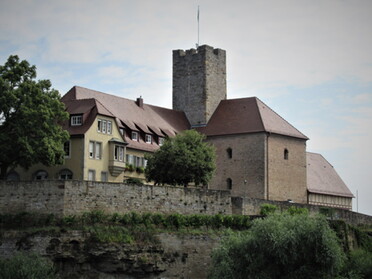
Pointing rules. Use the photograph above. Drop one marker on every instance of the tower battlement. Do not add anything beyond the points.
(199, 82)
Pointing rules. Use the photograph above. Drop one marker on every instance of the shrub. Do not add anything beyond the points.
(133, 181)
(280, 246)
(22, 266)
(293, 210)
(267, 209)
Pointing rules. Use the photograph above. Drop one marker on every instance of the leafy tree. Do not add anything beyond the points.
(30, 114)
(181, 160)
(280, 246)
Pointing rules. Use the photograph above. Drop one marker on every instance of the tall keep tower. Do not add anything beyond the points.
(199, 82)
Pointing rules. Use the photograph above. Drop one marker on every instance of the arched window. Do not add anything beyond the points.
(286, 153)
(13, 176)
(229, 153)
(40, 175)
(65, 174)
(229, 183)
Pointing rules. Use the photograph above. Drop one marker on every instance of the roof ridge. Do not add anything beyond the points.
(259, 113)
(280, 117)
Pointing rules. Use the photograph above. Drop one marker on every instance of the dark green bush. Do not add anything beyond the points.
(22, 266)
(133, 181)
(267, 209)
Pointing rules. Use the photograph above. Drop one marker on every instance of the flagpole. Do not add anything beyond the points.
(198, 29)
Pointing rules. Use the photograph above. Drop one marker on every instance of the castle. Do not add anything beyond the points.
(259, 154)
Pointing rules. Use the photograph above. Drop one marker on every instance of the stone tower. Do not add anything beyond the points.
(199, 82)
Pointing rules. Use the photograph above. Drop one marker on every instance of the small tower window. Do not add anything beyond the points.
(286, 154)
(229, 183)
(229, 153)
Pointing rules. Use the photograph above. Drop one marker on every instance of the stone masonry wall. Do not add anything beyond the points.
(199, 82)
(82, 196)
(44, 197)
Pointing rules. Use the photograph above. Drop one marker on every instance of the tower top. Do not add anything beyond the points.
(199, 82)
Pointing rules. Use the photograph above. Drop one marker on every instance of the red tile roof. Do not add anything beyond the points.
(147, 118)
(247, 115)
(322, 178)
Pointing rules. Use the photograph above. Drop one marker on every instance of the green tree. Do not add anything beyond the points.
(30, 116)
(280, 246)
(181, 160)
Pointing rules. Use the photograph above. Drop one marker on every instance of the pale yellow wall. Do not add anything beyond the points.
(100, 165)
(74, 163)
(331, 201)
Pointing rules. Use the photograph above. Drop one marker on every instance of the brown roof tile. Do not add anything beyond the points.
(247, 115)
(322, 178)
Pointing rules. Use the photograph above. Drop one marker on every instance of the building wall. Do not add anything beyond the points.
(246, 167)
(199, 82)
(286, 177)
(328, 200)
(101, 165)
(74, 163)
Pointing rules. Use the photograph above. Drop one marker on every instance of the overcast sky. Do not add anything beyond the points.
(310, 61)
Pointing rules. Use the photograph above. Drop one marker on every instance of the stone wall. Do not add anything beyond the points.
(82, 196)
(199, 82)
(64, 198)
(43, 197)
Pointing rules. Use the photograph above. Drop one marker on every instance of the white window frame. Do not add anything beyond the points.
(109, 127)
(76, 120)
(119, 153)
(104, 123)
(135, 135)
(148, 138)
(161, 141)
(95, 150)
(99, 125)
(92, 173)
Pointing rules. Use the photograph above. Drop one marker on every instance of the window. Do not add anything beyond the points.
(229, 153)
(95, 150)
(91, 175)
(67, 148)
(136, 161)
(99, 125)
(161, 141)
(130, 159)
(98, 150)
(104, 176)
(119, 153)
(229, 183)
(148, 138)
(104, 126)
(109, 127)
(41, 175)
(286, 153)
(13, 176)
(134, 136)
(65, 174)
(76, 120)
(121, 131)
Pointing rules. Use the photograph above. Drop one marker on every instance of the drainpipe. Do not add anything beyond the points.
(267, 166)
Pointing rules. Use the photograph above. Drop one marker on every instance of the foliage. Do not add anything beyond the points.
(294, 210)
(30, 118)
(181, 160)
(359, 264)
(22, 266)
(280, 246)
(267, 209)
(109, 234)
(133, 181)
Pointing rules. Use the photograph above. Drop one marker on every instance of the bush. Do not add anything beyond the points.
(293, 210)
(280, 246)
(267, 209)
(133, 181)
(22, 266)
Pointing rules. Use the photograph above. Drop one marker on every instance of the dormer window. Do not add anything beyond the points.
(148, 138)
(76, 120)
(135, 136)
(161, 141)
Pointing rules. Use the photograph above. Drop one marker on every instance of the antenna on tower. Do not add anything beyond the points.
(197, 45)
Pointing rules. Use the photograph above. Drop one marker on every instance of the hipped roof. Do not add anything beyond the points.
(322, 178)
(247, 115)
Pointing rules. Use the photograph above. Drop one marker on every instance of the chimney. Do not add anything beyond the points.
(139, 102)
